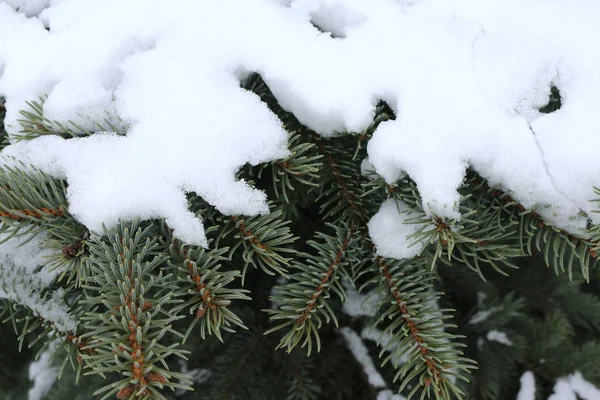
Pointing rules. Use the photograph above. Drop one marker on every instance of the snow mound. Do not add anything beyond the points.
(465, 77)
(527, 391)
(390, 231)
(573, 387)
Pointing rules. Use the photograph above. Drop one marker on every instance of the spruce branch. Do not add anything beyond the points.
(303, 300)
(340, 190)
(302, 165)
(34, 124)
(417, 327)
(562, 250)
(131, 315)
(206, 289)
(30, 304)
(68, 245)
(417, 331)
(265, 240)
(29, 198)
(304, 162)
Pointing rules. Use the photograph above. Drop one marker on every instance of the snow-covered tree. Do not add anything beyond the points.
(304, 199)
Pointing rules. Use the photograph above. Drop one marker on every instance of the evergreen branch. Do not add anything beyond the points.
(25, 213)
(131, 314)
(340, 188)
(206, 287)
(71, 250)
(264, 238)
(236, 370)
(29, 198)
(309, 288)
(31, 302)
(432, 356)
(34, 124)
(582, 309)
(304, 163)
(23, 320)
(561, 249)
(417, 331)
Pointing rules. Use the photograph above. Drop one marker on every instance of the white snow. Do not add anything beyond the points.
(499, 336)
(358, 304)
(389, 230)
(465, 78)
(574, 385)
(383, 339)
(389, 395)
(42, 373)
(361, 354)
(29, 7)
(527, 391)
(482, 315)
(22, 280)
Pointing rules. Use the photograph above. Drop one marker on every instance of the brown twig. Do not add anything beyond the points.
(300, 321)
(412, 326)
(31, 213)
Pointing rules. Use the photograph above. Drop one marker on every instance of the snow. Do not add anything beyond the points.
(574, 385)
(498, 336)
(465, 78)
(389, 395)
(29, 7)
(358, 304)
(42, 373)
(563, 391)
(389, 230)
(361, 354)
(21, 280)
(527, 391)
(383, 339)
(483, 315)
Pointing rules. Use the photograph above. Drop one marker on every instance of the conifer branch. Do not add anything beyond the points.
(206, 289)
(131, 314)
(561, 249)
(34, 124)
(303, 300)
(417, 331)
(341, 188)
(304, 162)
(265, 240)
(30, 200)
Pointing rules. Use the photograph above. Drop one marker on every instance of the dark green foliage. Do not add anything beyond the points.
(130, 297)
(14, 366)
(304, 298)
(158, 317)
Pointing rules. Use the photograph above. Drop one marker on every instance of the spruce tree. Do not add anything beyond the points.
(296, 304)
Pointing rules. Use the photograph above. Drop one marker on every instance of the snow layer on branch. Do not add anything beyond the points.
(42, 373)
(22, 281)
(572, 386)
(527, 391)
(499, 336)
(29, 7)
(361, 353)
(389, 395)
(465, 77)
(389, 230)
(358, 304)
